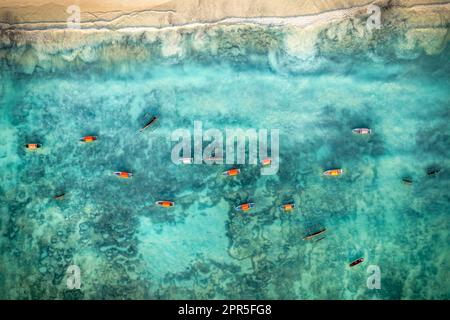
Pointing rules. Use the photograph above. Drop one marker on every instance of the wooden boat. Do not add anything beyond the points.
(215, 158)
(123, 175)
(266, 162)
(333, 172)
(33, 146)
(149, 123)
(245, 206)
(314, 234)
(287, 207)
(59, 196)
(362, 131)
(407, 180)
(433, 171)
(232, 172)
(165, 203)
(186, 160)
(88, 139)
(356, 262)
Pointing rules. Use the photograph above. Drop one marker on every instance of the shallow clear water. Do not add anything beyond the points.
(128, 248)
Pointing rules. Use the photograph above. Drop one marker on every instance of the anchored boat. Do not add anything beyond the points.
(333, 172)
(165, 203)
(33, 146)
(149, 123)
(433, 171)
(88, 139)
(186, 160)
(123, 175)
(232, 172)
(287, 207)
(356, 262)
(407, 180)
(266, 162)
(59, 196)
(314, 234)
(245, 206)
(215, 159)
(362, 131)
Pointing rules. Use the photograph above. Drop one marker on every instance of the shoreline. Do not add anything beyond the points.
(293, 41)
(294, 20)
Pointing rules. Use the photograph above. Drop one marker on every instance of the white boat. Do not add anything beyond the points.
(362, 131)
(186, 160)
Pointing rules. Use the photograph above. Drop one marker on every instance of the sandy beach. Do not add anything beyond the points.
(160, 13)
(36, 33)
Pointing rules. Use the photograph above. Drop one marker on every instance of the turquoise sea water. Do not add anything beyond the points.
(127, 248)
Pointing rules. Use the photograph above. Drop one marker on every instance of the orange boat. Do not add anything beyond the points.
(266, 162)
(232, 172)
(245, 206)
(123, 175)
(333, 172)
(88, 139)
(287, 207)
(33, 146)
(165, 203)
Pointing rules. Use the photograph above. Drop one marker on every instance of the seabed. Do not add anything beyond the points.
(126, 247)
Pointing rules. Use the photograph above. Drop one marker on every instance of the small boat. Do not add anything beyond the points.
(314, 234)
(88, 139)
(213, 158)
(287, 207)
(356, 262)
(362, 131)
(245, 206)
(433, 171)
(165, 203)
(333, 172)
(266, 162)
(33, 146)
(232, 172)
(407, 180)
(123, 175)
(148, 124)
(186, 160)
(59, 196)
